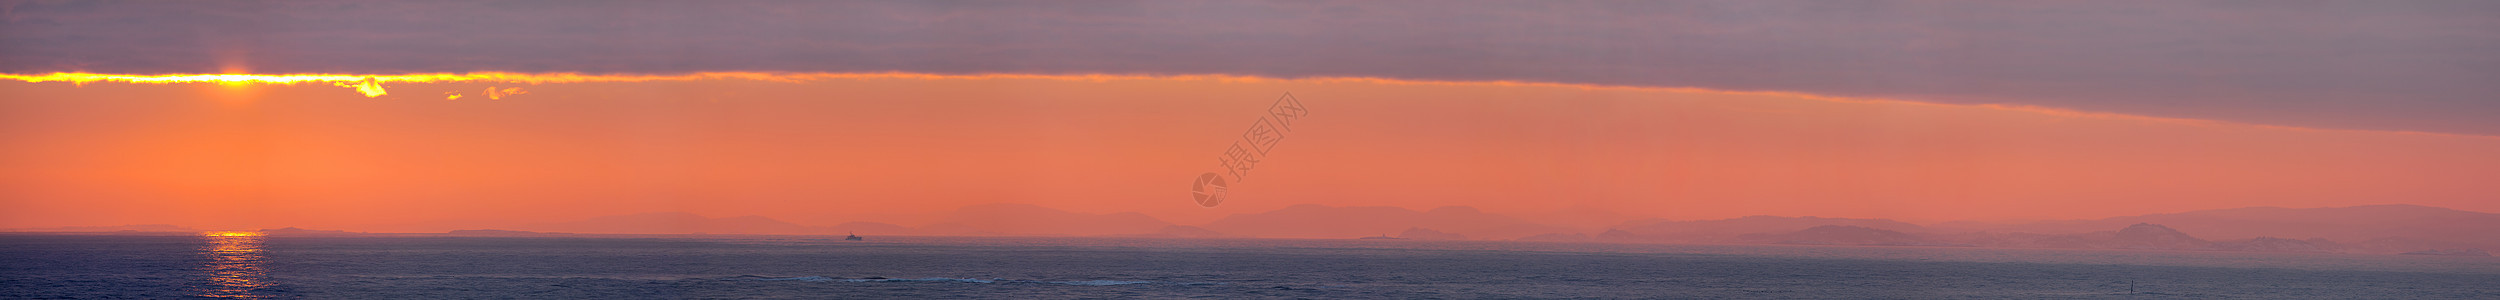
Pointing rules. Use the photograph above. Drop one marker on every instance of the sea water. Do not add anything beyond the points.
(41, 266)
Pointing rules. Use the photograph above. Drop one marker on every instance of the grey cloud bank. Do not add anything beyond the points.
(2381, 65)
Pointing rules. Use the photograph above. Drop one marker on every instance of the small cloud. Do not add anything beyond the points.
(371, 88)
(451, 96)
(496, 94)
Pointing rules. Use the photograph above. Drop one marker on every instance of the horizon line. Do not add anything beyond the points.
(1635, 219)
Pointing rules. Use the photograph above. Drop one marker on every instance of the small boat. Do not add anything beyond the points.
(853, 237)
(1381, 237)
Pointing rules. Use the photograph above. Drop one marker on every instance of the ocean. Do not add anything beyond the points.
(54, 266)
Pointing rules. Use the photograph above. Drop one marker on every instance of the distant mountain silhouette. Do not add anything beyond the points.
(2450, 252)
(1733, 230)
(1026, 219)
(1579, 218)
(1182, 231)
(2267, 244)
(1558, 237)
(292, 231)
(872, 228)
(2362, 229)
(1842, 235)
(1419, 233)
(2150, 236)
(987, 219)
(2374, 228)
(675, 223)
(122, 228)
(502, 233)
(2147, 236)
(1319, 221)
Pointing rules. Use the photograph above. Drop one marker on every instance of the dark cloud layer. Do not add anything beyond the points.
(2388, 65)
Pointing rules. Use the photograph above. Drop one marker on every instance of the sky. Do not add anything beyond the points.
(1918, 111)
(2379, 65)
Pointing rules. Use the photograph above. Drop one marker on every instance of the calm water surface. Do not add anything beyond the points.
(96, 266)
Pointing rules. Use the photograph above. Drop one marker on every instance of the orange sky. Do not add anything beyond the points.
(895, 149)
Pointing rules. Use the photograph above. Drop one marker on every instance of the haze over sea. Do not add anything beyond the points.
(43, 266)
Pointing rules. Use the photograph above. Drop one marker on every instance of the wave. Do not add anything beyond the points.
(1100, 282)
(806, 278)
(930, 279)
(958, 280)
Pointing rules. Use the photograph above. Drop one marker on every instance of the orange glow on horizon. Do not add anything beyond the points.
(827, 148)
(231, 233)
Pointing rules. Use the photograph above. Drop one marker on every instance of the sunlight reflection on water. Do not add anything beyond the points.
(234, 265)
